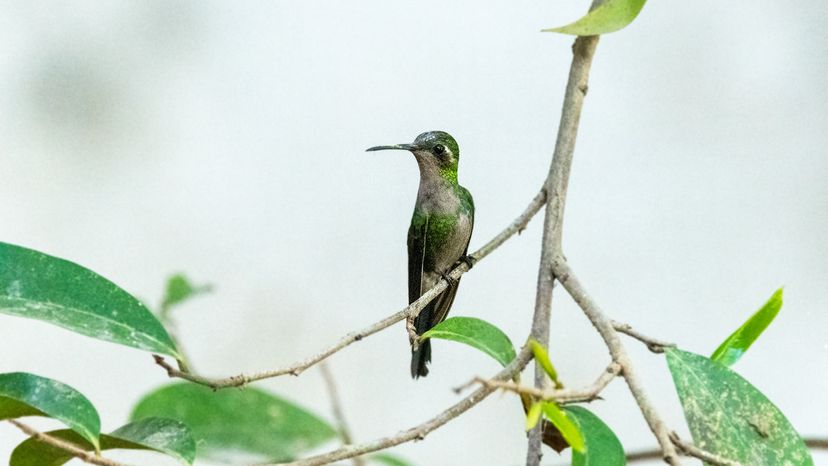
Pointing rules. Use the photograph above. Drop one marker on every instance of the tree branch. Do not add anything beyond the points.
(691, 450)
(654, 345)
(556, 186)
(654, 454)
(560, 395)
(336, 407)
(605, 328)
(68, 447)
(518, 225)
(419, 432)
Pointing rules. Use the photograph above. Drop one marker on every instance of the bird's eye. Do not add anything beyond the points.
(439, 149)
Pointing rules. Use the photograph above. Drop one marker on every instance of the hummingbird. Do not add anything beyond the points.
(438, 238)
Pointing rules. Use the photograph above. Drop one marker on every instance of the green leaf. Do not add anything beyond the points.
(180, 289)
(23, 394)
(565, 425)
(162, 435)
(739, 341)
(533, 415)
(477, 333)
(37, 286)
(610, 16)
(729, 417)
(542, 358)
(228, 422)
(601, 446)
(388, 460)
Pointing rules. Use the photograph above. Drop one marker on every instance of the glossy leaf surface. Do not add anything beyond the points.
(38, 286)
(23, 394)
(601, 446)
(739, 341)
(476, 333)
(162, 435)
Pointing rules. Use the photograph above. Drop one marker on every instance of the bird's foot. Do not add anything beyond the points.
(469, 260)
(413, 337)
(451, 282)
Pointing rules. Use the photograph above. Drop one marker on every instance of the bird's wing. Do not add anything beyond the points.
(442, 304)
(416, 256)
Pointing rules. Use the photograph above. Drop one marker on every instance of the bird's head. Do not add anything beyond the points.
(437, 153)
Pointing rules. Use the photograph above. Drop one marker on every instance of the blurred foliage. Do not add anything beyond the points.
(250, 421)
(162, 435)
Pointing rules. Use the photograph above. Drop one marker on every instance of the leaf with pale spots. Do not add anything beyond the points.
(739, 341)
(23, 394)
(601, 446)
(610, 16)
(729, 417)
(38, 286)
(476, 333)
(165, 436)
(229, 422)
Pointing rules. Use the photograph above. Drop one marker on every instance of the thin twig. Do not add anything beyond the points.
(556, 186)
(691, 450)
(653, 344)
(419, 432)
(336, 407)
(411, 310)
(64, 445)
(603, 324)
(560, 395)
(654, 453)
(164, 315)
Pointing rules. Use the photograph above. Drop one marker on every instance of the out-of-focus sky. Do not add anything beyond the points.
(226, 140)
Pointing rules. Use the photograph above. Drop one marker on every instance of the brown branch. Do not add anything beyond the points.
(691, 450)
(654, 453)
(518, 225)
(556, 186)
(605, 328)
(336, 408)
(560, 395)
(69, 447)
(654, 345)
(419, 432)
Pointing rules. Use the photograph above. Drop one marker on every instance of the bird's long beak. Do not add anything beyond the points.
(410, 147)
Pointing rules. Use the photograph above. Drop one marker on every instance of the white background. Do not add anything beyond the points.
(227, 141)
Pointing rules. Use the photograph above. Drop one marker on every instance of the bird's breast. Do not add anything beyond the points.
(447, 238)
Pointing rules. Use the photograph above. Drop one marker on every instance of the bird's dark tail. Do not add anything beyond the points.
(420, 358)
(422, 355)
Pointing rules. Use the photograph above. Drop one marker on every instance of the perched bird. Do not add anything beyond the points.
(439, 234)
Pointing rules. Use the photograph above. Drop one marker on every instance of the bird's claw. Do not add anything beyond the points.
(468, 260)
(451, 282)
(413, 337)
